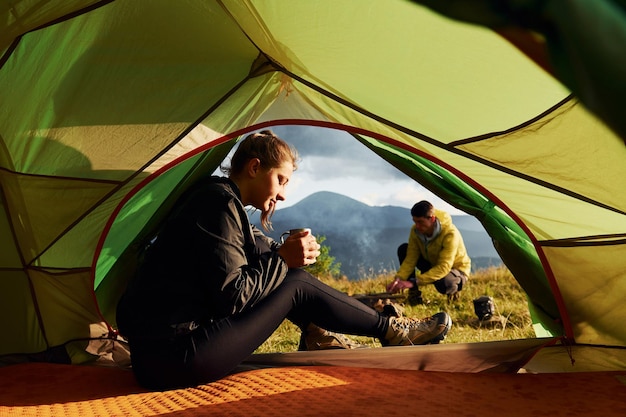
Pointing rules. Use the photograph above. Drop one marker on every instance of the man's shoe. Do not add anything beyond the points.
(404, 331)
(316, 338)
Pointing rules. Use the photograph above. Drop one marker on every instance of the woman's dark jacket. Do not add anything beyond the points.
(207, 262)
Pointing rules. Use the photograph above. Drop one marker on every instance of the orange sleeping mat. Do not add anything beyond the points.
(41, 390)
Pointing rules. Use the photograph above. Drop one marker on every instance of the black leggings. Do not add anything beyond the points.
(214, 350)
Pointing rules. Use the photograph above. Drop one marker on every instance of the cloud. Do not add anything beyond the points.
(328, 152)
(332, 160)
(312, 140)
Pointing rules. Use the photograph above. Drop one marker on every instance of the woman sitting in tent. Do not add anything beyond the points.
(212, 288)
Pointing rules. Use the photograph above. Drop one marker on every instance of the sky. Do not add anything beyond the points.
(332, 160)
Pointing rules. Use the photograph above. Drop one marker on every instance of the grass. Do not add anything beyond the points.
(497, 282)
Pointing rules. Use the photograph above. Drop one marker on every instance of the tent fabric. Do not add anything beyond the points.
(583, 38)
(505, 356)
(111, 108)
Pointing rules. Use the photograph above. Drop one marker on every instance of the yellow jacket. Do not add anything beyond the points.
(444, 252)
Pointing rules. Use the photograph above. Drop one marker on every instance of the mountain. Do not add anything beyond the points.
(364, 239)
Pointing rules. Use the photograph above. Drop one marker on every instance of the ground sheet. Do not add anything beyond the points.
(41, 390)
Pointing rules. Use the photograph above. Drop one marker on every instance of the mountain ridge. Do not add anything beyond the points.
(364, 238)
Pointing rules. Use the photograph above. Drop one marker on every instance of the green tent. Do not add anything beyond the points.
(109, 109)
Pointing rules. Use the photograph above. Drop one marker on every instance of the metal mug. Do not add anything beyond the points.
(293, 232)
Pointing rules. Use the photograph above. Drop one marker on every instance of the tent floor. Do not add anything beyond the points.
(40, 389)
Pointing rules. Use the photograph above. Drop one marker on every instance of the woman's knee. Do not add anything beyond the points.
(299, 275)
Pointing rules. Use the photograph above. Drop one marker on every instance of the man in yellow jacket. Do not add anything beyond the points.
(435, 255)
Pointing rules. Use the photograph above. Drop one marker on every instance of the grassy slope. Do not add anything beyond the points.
(497, 282)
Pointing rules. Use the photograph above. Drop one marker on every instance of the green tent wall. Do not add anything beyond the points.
(110, 108)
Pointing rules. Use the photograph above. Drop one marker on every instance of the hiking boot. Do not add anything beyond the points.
(404, 331)
(392, 310)
(316, 338)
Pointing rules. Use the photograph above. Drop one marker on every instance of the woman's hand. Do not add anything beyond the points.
(300, 249)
